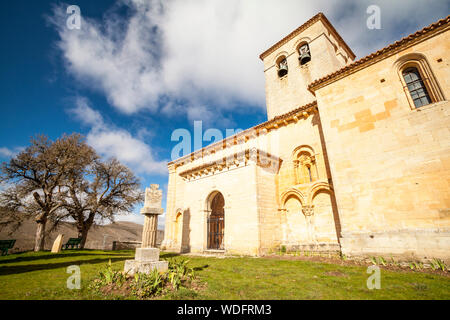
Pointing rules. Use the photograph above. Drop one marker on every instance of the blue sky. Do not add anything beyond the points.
(137, 70)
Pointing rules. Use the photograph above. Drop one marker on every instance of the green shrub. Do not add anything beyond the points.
(109, 276)
(437, 264)
(147, 285)
(178, 272)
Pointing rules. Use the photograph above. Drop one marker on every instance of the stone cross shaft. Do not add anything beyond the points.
(150, 231)
(152, 209)
(147, 258)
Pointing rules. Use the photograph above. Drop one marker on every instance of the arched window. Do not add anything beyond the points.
(282, 67)
(306, 169)
(416, 86)
(420, 85)
(305, 54)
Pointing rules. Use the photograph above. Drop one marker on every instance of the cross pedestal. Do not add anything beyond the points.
(147, 257)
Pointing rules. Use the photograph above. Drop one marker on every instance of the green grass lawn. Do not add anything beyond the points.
(43, 276)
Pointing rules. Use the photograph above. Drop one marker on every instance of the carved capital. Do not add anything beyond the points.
(308, 211)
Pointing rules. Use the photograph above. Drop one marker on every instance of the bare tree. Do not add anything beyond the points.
(34, 180)
(98, 195)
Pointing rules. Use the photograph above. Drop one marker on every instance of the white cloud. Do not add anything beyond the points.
(5, 152)
(204, 53)
(122, 145)
(110, 141)
(133, 217)
(139, 219)
(88, 116)
(9, 153)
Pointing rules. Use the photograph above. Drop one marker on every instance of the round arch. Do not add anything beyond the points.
(316, 188)
(300, 149)
(291, 193)
(279, 57)
(300, 42)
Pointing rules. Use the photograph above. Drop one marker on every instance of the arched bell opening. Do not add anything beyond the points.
(305, 54)
(283, 68)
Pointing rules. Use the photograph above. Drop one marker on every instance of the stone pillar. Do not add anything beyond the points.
(308, 211)
(150, 230)
(147, 257)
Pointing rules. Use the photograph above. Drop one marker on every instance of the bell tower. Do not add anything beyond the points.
(310, 52)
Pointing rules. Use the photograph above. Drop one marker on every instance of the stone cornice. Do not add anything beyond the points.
(293, 116)
(239, 159)
(318, 17)
(419, 36)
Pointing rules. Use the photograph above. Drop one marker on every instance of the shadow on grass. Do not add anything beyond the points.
(17, 258)
(48, 266)
(201, 268)
(168, 255)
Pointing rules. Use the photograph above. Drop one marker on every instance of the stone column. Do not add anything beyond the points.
(147, 257)
(150, 229)
(308, 211)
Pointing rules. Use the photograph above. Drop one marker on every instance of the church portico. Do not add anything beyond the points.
(216, 204)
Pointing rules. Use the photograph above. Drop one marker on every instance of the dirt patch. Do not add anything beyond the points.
(335, 274)
(112, 289)
(354, 262)
(126, 288)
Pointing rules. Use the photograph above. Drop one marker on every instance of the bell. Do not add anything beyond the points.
(305, 58)
(283, 70)
(305, 55)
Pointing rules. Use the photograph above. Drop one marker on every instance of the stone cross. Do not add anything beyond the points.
(152, 209)
(147, 257)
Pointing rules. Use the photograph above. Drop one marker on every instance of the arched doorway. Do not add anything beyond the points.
(178, 228)
(216, 221)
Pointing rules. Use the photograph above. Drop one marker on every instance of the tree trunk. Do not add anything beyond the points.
(40, 235)
(83, 233)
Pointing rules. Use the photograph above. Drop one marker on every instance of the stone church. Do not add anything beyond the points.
(354, 157)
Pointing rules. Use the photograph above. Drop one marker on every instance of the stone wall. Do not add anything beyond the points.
(390, 163)
(362, 171)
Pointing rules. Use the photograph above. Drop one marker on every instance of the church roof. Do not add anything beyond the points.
(318, 17)
(249, 132)
(380, 54)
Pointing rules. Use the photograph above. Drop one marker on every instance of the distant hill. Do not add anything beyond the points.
(99, 237)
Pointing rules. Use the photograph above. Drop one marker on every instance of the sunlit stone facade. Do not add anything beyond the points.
(346, 162)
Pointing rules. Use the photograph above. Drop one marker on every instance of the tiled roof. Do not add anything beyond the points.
(244, 133)
(286, 115)
(307, 24)
(389, 49)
